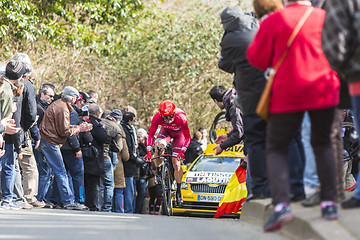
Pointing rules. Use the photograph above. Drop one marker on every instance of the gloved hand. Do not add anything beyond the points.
(148, 156)
(181, 155)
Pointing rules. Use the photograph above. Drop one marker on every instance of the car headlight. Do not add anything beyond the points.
(184, 186)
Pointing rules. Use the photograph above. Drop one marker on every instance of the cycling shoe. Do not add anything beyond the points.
(179, 199)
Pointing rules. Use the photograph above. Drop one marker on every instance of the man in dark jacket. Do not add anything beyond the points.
(130, 168)
(194, 149)
(43, 100)
(240, 28)
(224, 99)
(340, 40)
(94, 166)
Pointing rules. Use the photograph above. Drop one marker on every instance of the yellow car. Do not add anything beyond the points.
(204, 182)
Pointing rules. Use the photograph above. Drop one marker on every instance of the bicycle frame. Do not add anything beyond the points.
(167, 182)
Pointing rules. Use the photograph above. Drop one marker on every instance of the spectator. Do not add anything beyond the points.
(119, 178)
(94, 165)
(288, 102)
(55, 128)
(203, 140)
(224, 99)
(114, 146)
(26, 112)
(341, 48)
(194, 149)
(141, 182)
(43, 100)
(130, 166)
(72, 154)
(94, 96)
(14, 72)
(156, 195)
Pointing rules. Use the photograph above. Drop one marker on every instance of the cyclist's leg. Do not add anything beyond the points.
(178, 142)
(161, 141)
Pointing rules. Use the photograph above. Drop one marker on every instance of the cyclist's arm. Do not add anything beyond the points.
(186, 132)
(153, 128)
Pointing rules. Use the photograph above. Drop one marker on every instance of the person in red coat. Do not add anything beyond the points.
(303, 82)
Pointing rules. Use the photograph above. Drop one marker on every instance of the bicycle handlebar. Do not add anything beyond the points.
(165, 155)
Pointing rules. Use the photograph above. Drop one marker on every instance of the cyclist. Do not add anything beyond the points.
(174, 126)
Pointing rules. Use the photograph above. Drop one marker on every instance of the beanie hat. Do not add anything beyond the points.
(116, 113)
(71, 92)
(25, 59)
(14, 70)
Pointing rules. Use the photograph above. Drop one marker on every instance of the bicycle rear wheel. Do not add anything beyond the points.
(351, 150)
(219, 126)
(166, 183)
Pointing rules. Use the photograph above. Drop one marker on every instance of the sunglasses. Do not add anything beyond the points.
(51, 96)
(168, 117)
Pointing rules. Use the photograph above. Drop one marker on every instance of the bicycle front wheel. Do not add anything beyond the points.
(166, 183)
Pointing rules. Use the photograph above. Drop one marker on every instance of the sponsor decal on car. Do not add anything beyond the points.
(208, 177)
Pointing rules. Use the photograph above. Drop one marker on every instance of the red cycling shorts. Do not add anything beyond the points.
(167, 135)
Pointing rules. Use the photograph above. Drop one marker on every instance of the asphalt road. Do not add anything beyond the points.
(67, 224)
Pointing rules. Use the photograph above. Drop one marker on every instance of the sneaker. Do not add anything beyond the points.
(76, 206)
(158, 178)
(9, 206)
(24, 205)
(179, 200)
(49, 205)
(312, 200)
(37, 204)
(279, 219)
(329, 212)
(351, 203)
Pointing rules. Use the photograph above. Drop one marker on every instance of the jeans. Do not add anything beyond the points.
(45, 174)
(114, 159)
(8, 173)
(311, 178)
(141, 186)
(108, 184)
(255, 130)
(54, 158)
(129, 195)
(118, 203)
(355, 108)
(75, 168)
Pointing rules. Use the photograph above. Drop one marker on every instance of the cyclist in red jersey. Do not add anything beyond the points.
(174, 126)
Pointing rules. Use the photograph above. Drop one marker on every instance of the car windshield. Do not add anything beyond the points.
(217, 164)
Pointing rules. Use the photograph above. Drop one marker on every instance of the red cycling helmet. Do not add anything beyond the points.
(166, 108)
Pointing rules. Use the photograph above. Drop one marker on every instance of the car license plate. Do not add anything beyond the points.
(209, 198)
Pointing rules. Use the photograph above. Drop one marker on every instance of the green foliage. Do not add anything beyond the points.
(131, 54)
(85, 23)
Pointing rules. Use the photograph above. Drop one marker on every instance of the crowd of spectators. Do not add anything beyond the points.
(63, 151)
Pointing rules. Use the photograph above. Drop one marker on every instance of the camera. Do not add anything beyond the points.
(84, 111)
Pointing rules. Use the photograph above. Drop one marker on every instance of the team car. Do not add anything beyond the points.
(204, 182)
